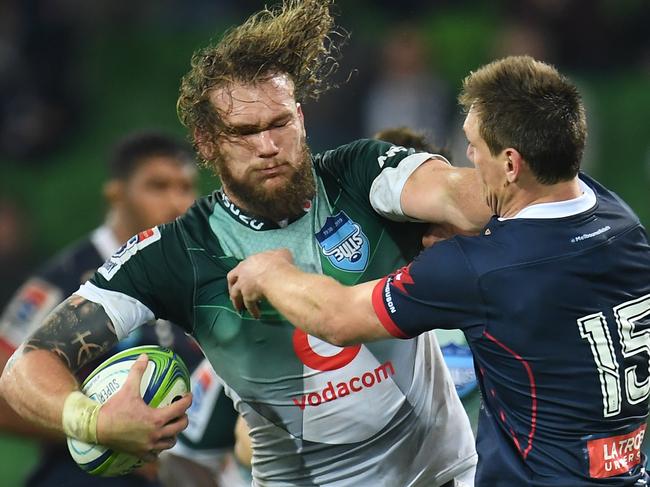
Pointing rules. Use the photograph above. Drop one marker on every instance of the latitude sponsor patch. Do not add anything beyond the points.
(344, 244)
(128, 250)
(615, 455)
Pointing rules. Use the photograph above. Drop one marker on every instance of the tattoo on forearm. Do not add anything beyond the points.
(78, 331)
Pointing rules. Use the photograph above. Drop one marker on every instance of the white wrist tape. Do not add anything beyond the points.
(80, 415)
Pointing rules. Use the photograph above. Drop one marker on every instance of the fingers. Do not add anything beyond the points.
(168, 433)
(232, 277)
(245, 280)
(236, 298)
(175, 410)
(134, 378)
(245, 300)
(252, 305)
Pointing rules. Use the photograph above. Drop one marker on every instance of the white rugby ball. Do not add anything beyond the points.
(165, 380)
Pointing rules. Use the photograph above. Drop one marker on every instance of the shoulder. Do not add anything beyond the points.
(71, 264)
(363, 151)
(196, 228)
(609, 202)
(452, 259)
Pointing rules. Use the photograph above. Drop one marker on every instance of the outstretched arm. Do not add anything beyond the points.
(38, 382)
(439, 193)
(319, 305)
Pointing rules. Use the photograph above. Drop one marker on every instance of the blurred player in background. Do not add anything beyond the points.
(152, 180)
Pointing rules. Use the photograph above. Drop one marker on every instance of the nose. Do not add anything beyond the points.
(266, 144)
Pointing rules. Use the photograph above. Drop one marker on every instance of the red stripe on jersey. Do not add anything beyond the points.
(533, 396)
(380, 310)
(7, 347)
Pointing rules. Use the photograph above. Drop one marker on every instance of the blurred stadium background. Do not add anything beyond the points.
(76, 75)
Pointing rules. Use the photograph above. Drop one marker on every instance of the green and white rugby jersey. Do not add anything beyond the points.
(385, 413)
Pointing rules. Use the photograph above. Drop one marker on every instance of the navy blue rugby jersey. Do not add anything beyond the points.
(555, 305)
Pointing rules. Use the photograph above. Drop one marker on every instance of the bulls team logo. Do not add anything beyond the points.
(344, 243)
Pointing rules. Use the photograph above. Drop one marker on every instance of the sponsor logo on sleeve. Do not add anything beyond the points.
(615, 455)
(344, 243)
(381, 160)
(388, 297)
(128, 250)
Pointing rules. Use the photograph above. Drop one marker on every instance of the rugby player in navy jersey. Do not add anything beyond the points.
(151, 180)
(553, 296)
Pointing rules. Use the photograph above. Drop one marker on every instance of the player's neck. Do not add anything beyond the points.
(540, 193)
(243, 207)
(121, 231)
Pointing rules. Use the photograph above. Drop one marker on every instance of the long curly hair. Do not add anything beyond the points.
(297, 38)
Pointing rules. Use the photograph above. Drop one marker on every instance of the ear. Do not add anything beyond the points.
(113, 192)
(301, 116)
(513, 164)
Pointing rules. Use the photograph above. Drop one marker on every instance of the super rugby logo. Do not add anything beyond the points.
(344, 243)
(128, 250)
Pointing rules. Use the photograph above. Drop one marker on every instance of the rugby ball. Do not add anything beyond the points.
(165, 379)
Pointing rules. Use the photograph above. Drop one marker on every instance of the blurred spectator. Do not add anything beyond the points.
(37, 100)
(16, 257)
(152, 178)
(592, 34)
(407, 91)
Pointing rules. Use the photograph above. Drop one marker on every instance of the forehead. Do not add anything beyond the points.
(255, 102)
(160, 166)
(470, 126)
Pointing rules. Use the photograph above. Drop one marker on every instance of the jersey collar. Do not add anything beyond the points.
(560, 209)
(256, 223)
(104, 241)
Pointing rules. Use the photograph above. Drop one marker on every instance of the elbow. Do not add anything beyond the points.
(3, 386)
(5, 382)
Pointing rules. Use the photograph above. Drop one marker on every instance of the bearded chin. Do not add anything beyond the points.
(287, 201)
